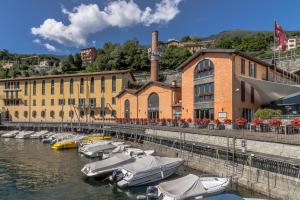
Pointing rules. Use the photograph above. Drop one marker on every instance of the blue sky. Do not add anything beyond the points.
(73, 24)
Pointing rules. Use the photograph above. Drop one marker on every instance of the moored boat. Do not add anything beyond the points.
(188, 187)
(24, 134)
(68, 143)
(145, 170)
(39, 134)
(10, 134)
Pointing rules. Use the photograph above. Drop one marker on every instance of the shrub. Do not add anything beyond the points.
(274, 122)
(205, 121)
(296, 122)
(241, 121)
(257, 121)
(227, 121)
(266, 113)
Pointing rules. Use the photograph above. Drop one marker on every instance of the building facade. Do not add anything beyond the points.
(82, 97)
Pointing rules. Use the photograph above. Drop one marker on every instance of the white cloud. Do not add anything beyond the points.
(89, 19)
(49, 47)
(37, 41)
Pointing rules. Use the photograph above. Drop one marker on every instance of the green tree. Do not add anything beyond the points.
(3, 73)
(266, 113)
(173, 56)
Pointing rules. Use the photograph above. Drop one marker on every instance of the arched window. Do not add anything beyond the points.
(17, 114)
(34, 88)
(113, 83)
(81, 86)
(153, 106)
(61, 86)
(92, 113)
(34, 114)
(61, 114)
(52, 114)
(204, 68)
(43, 114)
(92, 85)
(71, 86)
(25, 114)
(71, 114)
(127, 109)
(81, 113)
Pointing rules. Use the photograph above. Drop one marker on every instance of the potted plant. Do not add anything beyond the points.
(296, 122)
(182, 123)
(190, 123)
(197, 123)
(275, 124)
(241, 122)
(228, 124)
(257, 122)
(204, 122)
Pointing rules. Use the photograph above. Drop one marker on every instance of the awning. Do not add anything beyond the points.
(270, 91)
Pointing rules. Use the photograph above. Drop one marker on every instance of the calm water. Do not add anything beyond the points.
(30, 170)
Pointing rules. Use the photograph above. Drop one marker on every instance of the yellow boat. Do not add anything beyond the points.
(73, 142)
(95, 138)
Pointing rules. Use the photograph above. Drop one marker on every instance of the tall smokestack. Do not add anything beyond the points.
(154, 56)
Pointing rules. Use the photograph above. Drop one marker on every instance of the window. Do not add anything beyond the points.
(92, 85)
(113, 84)
(252, 95)
(102, 109)
(25, 114)
(71, 101)
(127, 109)
(34, 114)
(81, 113)
(26, 89)
(102, 84)
(92, 102)
(243, 92)
(81, 86)
(34, 88)
(61, 114)
(113, 113)
(25, 103)
(61, 102)
(43, 87)
(52, 102)
(71, 86)
(243, 62)
(81, 102)
(71, 113)
(17, 95)
(113, 100)
(204, 68)
(61, 86)
(52, 114)
(153, 106)
(43, 114)
(34, 102)
(43, 102)
(52, 87)
(204, 92)
(252, 69)
(92, 114)
(17, 114)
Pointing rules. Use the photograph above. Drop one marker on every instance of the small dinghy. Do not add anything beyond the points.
(10, 134)
(188, 187)
(145, 170)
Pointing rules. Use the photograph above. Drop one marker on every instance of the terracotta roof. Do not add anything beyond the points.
(228, 51)
(70, 75)
(135, 92)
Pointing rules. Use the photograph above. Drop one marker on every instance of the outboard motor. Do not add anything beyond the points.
(152, 193)
(116, 176)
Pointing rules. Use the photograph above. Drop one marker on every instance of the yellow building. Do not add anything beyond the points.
(81, 97)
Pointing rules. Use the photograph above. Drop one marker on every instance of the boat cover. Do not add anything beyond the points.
(110, 163)
(101, 147)
(183, 188)
(147, 163)
(97, 143)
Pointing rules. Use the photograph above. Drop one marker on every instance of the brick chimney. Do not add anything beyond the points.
(154, 57)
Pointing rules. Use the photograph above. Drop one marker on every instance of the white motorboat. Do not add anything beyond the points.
(52, 138)
(10, 134)
(145, 170)
(39, 134)
(128, 150)
(86, 147)
(99, 150)
(105, 167)
(188, 187)
(24, 134)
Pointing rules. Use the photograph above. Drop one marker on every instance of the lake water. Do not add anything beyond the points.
(30, 170)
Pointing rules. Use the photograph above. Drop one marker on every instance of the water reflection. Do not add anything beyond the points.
(30, 170)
